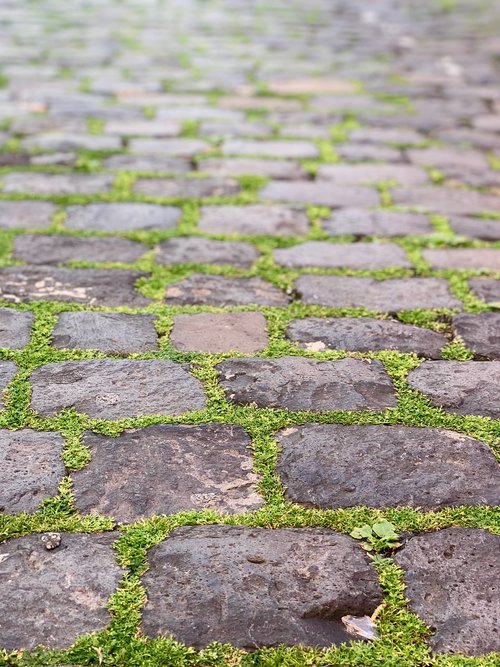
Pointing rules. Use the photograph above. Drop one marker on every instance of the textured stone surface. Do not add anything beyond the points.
(53, 597)
(50, 249)
(373, 173)
(192, 187)
(463, 387)
(91, 286)
(112, 333)
(168, 469)
(115, 388)
(477, 228)
(379, 295)
(487, 289)
(448, 201)
(31, 469)
(48, 184)
(122, 217)
(480, 332)
(297, 383)
(59, 141)
(320, 254)
(26, 214)
(7, 371)
(362, 222)
(463, 258)
(147, 163)
(281, 149)
(219, 332)
(257, 219)
(321, 193)
(285, 586)
(202, 289)
(418, 467)
(199, 250)
(169, 147)
(15, 328)
(365, 334)
(450, 580)
(228, 167)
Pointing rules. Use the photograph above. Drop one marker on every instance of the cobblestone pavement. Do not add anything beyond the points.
(250, 332)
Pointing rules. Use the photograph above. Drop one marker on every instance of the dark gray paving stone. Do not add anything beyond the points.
(285, 586)
(9, 159)
(364, 334)
(199, 250)
(38, 249)
(235, 129)
(100, 287)
(477, 178)
(26, 214)
(8, 369)
(168, 469)
(462, 387)
(297, 383)
(255, 219)
(115, 388)
(387, 135)
(321, 193)
(280, 149)
(61, 141)
(56, 184)
(144, 128)
(230, 167)
(147, 163)
(15, 328)
(487, 289)
(362, 151)
(122, 217)
(418, 467)
(450, 201)
(203, 289)
(449, 578)
(372, 173)
(53, 597)
(31, 469)
(220, 333)
(477, 228)
(463, 258)
(320, 254)
(480, 332)
(112, 333)
(66, 159)
(389, 296)
(187, 148)
(442, 157)
(363, 222)
(187, 187)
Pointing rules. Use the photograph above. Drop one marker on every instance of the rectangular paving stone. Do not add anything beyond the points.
(311, 86)
(199, 250)
(95, 287)
(168, 469)
(387, 135)
(26, 214)
(52, 249)
(115, 388)
(286, 586)
(321, 254)
(364, 334)
(144, 128)
(487, 289)
(363, 222)
(462, 387)
(226, 130)
(442, 157)
(122, 217)
(480, 332)
(112, 333)
(147, 163)
(429, 468)
(254, 219)
(390, 295)
(51, 597)
(362, 152)
(8, 369)
(462, 258)
(62, 141)
(476, 228)
(204, 289)
(31, 469)
(321, 193)
(228, 167)
(187, 187)
(298, 383)
(449, 577)
(56, 184)
(449, 201)
(15, 328)
(372, 173)
(219, 333)
(169, 147)
(280, 149)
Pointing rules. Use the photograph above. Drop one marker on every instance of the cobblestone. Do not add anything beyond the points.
(199, 250)
(201, 289)
(15, 328)
(26, 214)
(194, 187)
(53, 184)
(362, 222)
(321, 193)
(38, 249)
(248, 220)
(219, 333)
(338, 255)
(122, 217)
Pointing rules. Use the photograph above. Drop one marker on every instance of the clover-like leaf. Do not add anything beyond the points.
(385, 530)
(362, 533)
